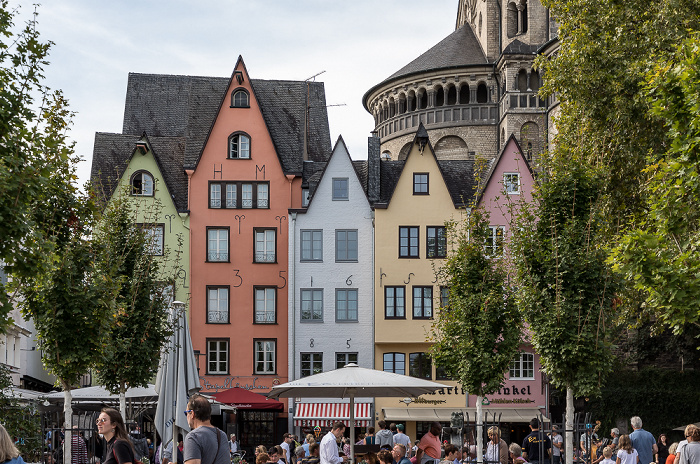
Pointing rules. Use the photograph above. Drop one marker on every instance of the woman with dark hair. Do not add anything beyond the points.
(384, 457)
(111, 426)
(9, 454)
(662, 445)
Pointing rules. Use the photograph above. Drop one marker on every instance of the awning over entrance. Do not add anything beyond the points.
(324, 414)
(241, 398)
(444, 414)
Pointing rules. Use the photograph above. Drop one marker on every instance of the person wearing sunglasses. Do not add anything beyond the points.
(205, 444)
(119, 448)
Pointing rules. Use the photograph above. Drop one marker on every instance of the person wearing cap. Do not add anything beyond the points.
(401, 438)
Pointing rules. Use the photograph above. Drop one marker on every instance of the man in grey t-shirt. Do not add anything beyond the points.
(205, 444)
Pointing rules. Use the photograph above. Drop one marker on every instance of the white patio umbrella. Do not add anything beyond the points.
(177, 379)
(351, 381)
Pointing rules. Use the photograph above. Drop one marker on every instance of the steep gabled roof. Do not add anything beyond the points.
(494, 165)
(457, 50)
(113, 152)
(185, 106)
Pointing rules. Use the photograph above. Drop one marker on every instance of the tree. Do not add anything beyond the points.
(565, 288)
(140, 325)
(20, 419)
(71, 302)
(36, 162)
(478, 334)
(660, 254)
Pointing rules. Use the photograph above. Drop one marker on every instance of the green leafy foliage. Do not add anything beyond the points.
(36, 161)
(21, 421)
(565, 287)
(139, 325)
(660, 255)
(478, 335)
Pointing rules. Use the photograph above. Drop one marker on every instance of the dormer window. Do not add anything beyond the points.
(142, 184)
(240, 99)
(239, 146)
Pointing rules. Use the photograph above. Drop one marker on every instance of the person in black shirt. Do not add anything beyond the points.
(536, 444)
(119, 449)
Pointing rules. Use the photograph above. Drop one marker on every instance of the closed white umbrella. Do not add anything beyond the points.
(177, 379)
(352, 381)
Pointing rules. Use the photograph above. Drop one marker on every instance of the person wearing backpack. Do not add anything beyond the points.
(119, 449)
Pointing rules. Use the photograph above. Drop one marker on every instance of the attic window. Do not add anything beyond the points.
(239, 146)
(142, 147)
(304, 197)
(142, 184)
(240, 99)
(420, 183)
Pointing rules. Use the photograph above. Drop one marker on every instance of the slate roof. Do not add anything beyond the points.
(459, 49)
(516, 47)
(177, 112)
(112, 153)
(361, 170)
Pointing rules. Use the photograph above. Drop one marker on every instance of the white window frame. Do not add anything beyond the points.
(265, 305)
(311, 245)
(265, 352)
(217, 305)
(494, 241)
(521, 366)
(310, 297)
(217, 245)
(265, 246)
(510, 187)
(263, 200)
(219, 348)
(215, 195)
(240, 143)
(155, 238)
(147, 184)
(231, 195)
(246, 196)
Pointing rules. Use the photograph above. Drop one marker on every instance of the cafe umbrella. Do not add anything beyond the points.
(354, 381)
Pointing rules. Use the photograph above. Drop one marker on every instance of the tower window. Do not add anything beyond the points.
(482, 94)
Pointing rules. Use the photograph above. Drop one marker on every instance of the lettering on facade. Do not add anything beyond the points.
(424, 401)
(449, 391)
(230, 382)
(513, 390)
(512, 401)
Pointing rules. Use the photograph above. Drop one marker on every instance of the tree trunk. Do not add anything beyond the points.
(122, 402)
(569, 426)
(479, 431)
(67, 423)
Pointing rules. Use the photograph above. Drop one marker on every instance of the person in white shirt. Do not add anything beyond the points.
(233, 444)
(401, 437)
(285, 446)
(329, 445)
(607, 456)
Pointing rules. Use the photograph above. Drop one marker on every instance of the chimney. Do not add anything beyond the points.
(373, 168)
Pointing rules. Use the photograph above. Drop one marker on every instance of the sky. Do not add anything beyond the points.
(357, 43)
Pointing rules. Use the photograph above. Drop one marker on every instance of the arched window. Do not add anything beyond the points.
(464, 94)
(240, 99)
(522, 81)
(239, 146)
(392, 107)
(451, 95)
(523, 19)
(412, 101)
(422, 99)
(512, 20)
(534, 81)
(439, 97)
(142, 184)
(402, 103)
(482, 93)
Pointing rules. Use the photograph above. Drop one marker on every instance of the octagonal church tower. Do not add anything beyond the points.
(473, 89)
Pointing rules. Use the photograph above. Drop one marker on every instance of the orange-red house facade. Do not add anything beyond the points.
(248, 175)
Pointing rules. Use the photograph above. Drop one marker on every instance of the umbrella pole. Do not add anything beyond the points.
(352, 427)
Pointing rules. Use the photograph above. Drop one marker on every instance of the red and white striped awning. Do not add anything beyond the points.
(324, 414)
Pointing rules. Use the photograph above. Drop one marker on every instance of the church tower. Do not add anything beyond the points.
(474, 88)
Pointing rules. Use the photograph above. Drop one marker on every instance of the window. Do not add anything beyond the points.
(419, 366)
(346, 305)
(265, 245)
(239, 195)
(265, 305)
(395, 362)
(217, 356)
(240, 99)
(444, 297)
(265, 356)
(142, 184)
(494, 240)
(422, 302)
(311, 304)
(340, 188)
(239, 146)
(215, 195)
(311, 363)
(262, 200)
(523, 367)
(342, 359)
(154, 237)
(408, 242)
(395, 302)
(441, 374)
(346, 245)
(436, 242)
(420, 183)
(511, 183)
(304, 197)
(312, 245)
(217, 305)
(217, 245)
